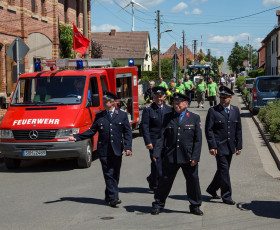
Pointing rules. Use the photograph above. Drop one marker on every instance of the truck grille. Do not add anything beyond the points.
(42, 134)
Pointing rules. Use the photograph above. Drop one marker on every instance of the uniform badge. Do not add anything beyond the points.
(116, 111)
(189, 125)
(187, 114)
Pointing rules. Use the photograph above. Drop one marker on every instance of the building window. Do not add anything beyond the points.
(33, 6)
(65, 11)
(77, 12)
(11, 2)
(43, 7)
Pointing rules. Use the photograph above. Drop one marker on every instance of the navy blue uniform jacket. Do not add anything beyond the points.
(115, 132)
(223, 131)
(152, 122)
(180, 141)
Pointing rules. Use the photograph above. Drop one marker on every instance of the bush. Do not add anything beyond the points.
(253, 74)
(270, 116)
(239, 82)
(245, 95)
(261, 72)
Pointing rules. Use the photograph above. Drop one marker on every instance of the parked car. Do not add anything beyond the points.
(248, 84)
(266, 89)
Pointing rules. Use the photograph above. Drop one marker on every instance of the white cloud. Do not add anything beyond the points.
(230, 39)
(105, 28)
(271, 2)
(195, 11)
(179, 7)
(257, 43)
(198, 2)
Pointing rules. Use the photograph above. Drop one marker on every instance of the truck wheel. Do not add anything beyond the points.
(85, 159)
(12, 163)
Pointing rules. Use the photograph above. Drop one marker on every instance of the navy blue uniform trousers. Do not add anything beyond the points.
(156, 172)
(166, 181)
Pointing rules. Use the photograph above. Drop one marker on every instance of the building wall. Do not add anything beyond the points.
(268, 57)
(274, 54)
(38, 27)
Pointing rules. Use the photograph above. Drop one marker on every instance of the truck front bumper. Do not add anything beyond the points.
(54, 150)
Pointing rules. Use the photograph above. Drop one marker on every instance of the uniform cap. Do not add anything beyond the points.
(107, 95)
(180, 97)
(159, 90)
(223, 90)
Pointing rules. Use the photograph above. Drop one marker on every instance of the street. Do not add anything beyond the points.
(56, 195)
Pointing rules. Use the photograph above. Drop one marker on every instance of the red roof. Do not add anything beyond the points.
(122, 45)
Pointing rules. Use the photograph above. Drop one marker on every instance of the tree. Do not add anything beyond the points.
(117, 63)
(188, 61)
(154, 51)
(167, 67)
(221, 60)
(66, 41)
(200, 56)
(96, 50)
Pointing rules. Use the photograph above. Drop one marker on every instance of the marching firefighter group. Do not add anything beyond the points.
(173, 137)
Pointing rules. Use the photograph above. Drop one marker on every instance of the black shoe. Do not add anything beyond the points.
(155, 211)
(213, 194)
(230, 202)
(196, 211)
(115, 202)
(107, 200)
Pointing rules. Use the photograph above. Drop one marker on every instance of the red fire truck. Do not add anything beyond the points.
(46, 107)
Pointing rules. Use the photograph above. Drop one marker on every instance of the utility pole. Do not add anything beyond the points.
(184, 50)
(159, 65)
(209, 55)
(194, 49)
(85, 22)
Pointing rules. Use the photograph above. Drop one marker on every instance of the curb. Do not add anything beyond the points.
(271, 147)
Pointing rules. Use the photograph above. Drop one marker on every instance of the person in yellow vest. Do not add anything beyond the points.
(200, 91)
(161, 83)
(171, 91)
(148, 96)
(180, 86)
(212, 90)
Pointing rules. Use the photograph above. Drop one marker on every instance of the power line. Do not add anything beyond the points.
(226, 20)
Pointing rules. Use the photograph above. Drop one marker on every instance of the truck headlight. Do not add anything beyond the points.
(66, 132)
(6, 134)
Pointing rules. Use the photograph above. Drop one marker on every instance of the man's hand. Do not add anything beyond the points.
(238, 151)
(193, 162)
(72, 138)
(155, 159)
(150, 146)
(213, 152)
(128, 153)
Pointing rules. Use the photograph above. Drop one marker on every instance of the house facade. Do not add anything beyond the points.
(126, 45)
(36, 22)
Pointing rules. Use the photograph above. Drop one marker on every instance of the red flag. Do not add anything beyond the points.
(80, 42)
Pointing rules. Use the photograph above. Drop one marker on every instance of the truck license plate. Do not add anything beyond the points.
(34, 153)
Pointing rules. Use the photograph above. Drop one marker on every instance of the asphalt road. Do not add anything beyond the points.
(56, 195)
(225, 68)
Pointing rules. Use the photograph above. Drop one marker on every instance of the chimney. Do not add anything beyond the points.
(113, 32)
(278, 15)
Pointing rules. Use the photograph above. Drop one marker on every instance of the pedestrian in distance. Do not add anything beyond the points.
(212, 90)
(148, 96)
(180, 86)
(114, 139)
(162, 83)
(232, 81)
(171, 91)
(189, 88)
(200, 91)
(223, 132)
(179, 147)
(152, 118)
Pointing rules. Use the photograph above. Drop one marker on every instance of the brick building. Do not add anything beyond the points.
(36, 22)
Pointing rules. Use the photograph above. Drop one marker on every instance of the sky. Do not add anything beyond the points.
(218, 24)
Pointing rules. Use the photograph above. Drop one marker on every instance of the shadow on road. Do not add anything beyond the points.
(269, 209)
(134, 190)
(147, 209)
(83, 200)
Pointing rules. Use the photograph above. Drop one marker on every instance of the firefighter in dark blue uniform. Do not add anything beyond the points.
(115, 136)
(224, 136)
(179, 147)
(152, 118)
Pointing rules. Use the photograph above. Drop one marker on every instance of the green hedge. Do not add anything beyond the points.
(270, 116)
(239, 82)
(245, 95)
(256, 73)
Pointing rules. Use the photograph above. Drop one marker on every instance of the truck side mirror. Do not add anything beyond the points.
(3, 103)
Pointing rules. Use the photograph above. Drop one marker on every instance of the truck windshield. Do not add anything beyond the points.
(54, 90)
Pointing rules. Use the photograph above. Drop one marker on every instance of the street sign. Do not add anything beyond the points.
(22, 50)
(245, 63)
(131, 62)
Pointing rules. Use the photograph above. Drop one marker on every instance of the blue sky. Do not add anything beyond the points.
(218, 37)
